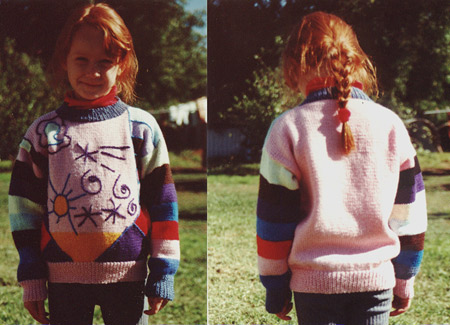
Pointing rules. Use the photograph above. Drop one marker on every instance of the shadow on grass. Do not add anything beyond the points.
(435, 172)
(234, 169)
(439, 215)
(192, 216)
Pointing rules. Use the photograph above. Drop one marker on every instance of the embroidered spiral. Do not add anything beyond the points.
(121, 191)
(92, 184)
(132, 208)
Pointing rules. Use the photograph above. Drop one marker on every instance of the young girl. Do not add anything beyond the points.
(341, 210)
(91, 193)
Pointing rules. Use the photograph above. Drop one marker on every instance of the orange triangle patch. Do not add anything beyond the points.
(85, 247)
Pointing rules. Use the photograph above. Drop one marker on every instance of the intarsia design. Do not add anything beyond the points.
(53, 134)
(99, 179)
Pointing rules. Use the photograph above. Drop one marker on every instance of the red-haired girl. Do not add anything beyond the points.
(341, 212)
(91, 193)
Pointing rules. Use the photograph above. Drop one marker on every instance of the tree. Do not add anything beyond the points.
(23, 96)
(407, 41)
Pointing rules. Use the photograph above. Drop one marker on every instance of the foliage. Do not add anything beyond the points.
(409, 44)
(264, 100)
(23, 96)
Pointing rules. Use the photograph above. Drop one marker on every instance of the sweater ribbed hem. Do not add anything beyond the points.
(332, 282)
(404, 288)
(34, 290)
(98, 273)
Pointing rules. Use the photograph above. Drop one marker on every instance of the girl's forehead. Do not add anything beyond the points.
(88, 34)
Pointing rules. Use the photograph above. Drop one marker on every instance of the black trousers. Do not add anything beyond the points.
(73, 303)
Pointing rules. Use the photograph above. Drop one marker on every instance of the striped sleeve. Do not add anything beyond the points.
(26, 204)
(158, 197)
(278, 213)
(409, 221)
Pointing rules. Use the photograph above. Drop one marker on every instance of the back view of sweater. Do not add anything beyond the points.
(341, 208)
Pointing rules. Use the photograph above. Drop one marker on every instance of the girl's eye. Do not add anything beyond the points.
(106, 63)
(81, 59)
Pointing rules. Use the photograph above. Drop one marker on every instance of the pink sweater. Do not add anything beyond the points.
(329, 223)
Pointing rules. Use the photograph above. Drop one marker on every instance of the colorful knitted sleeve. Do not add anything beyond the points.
(27, 207)
(409, 220)
(159, 198)
(278, 213)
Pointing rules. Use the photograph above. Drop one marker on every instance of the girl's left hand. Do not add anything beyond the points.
(155, 305)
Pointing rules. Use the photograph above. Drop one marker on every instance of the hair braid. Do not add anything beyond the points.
(343, 73)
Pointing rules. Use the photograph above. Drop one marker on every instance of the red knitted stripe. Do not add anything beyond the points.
(165, 230)
(274, 250)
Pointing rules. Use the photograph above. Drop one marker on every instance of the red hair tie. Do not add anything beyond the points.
(344, 115)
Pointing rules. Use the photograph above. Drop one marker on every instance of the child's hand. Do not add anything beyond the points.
(37, 311)
(155, 305)
(286, 309)
(400, 305)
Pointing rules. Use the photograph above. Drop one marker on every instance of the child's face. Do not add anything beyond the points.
(91, 72)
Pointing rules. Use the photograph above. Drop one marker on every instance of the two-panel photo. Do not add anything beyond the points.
(224, 162)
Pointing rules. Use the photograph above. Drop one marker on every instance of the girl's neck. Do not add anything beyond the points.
(325, 82)
(106, 100)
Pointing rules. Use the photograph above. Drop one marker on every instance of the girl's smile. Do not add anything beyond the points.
(91, 72)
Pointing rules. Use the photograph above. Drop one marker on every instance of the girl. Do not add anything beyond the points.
(91, 192)
(341, 210)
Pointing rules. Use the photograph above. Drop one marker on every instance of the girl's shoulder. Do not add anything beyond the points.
(138, 115)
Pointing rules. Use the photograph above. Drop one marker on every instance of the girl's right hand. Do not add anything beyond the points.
(400, 305)
(37, 311)
(286, 309)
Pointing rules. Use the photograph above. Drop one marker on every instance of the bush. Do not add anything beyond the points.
(24, 95)
(254, 111)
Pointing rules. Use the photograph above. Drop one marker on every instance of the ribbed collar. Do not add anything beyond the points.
(91, 115)
(329, 93)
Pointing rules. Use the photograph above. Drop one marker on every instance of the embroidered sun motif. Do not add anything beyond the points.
(62, 203)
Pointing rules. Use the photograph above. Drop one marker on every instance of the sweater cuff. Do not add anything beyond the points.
(34, 290)
(162, 288)
(276, 299)
(404, 288)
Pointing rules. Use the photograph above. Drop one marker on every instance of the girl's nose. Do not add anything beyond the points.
(94, 70)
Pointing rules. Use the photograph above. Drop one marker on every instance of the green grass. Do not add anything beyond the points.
(235, 295)
(189, 306)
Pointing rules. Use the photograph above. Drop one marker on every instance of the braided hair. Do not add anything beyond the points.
(324, 44)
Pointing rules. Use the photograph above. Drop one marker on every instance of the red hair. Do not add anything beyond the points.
(117, 42)
(324, 43)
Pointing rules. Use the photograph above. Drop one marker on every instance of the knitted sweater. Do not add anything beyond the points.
(330, 223)
(91, 196)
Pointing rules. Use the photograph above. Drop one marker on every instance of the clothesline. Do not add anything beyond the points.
(180, 113)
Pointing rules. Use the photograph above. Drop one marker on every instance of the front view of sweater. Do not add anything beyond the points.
(91, 196)
(331, 223)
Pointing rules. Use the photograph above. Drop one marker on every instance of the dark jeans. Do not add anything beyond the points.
(120, 303)
(361, 308)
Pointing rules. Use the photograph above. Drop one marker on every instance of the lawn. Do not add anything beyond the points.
(189, 306)
(235, 295)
